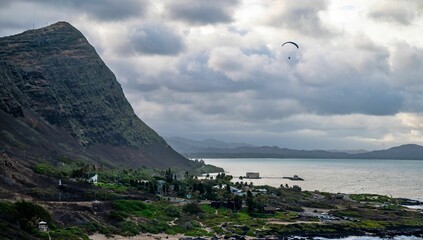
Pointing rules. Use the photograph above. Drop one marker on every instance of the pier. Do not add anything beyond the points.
(259, 177)
(256, 175)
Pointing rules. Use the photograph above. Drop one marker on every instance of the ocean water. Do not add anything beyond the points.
(396, 178)
(375, 238)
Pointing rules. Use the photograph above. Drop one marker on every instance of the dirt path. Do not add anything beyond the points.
(144, 236)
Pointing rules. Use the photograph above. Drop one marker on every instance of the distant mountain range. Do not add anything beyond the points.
(183, 145)
(211, 148)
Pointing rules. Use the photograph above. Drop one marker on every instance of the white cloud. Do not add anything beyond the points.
(239, 66)
(400, 12)
(301, 17)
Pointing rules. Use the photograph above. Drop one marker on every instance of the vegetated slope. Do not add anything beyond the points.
(265, 152)
(58, 97)
(407, 151)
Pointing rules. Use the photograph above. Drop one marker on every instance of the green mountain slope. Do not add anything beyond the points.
(57, 92)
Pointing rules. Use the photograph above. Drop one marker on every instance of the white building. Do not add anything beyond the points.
(252, 175)
(42, 226)
(93, 179)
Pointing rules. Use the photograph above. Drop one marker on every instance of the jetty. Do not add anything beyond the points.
(256, 175)
(294, 178)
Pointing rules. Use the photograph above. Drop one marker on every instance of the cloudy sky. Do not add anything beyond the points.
(216, 69)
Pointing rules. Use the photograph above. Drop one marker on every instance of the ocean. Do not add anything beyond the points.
(396, 178)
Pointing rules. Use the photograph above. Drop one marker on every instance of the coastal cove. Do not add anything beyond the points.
(396, 178)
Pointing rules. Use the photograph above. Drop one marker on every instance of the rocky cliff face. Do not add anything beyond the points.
(53, 75)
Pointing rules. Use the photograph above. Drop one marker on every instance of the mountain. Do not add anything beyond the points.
(184, 145)
(265, 152)
(349, 151)
(58, 98)
(409, 151)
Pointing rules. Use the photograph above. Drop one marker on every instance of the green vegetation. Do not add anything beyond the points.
(198, 218)
(20, 219)
(8, 137)
(45, 168)
(178, 202)
(372, 198)
(27, 214)
(72, 233)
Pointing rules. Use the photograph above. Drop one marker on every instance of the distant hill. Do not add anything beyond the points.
(186, 146)
(201, 149)
(408, 151)
(349, 151)
(58, 98)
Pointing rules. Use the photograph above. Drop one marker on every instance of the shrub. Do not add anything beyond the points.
(129, 206)
(45, 168)
(188, 226)
(172, 211)
(93, 227)
(72, 233)
(118, 216)
(192, 208)
(129, 228)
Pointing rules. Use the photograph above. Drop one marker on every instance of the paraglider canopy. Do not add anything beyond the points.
(290, 43)
(293, 43)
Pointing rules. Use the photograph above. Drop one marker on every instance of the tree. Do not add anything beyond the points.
(250, 201)
(169, 176)
(192, 208)
(261, 201)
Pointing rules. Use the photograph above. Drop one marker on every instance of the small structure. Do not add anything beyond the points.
(42, 226)
(252, 175)
(234, 190)
(261, 190)
(339, 196)
(161, 186)
(93, 179)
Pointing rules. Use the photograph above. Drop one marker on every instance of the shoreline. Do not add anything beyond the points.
(159, 236)
(149, 236)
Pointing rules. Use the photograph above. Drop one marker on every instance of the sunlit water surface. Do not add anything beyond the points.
(396, 178)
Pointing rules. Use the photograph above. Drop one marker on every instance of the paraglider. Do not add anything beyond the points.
(293, 43)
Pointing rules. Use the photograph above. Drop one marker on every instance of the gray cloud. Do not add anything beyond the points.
(303, 17)
(19, 15)
(110, 10)
(107, 10)
(191, 74)
(156, 39)
(406, 64)
(371, 100)
(401, 12)
(200, 12)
